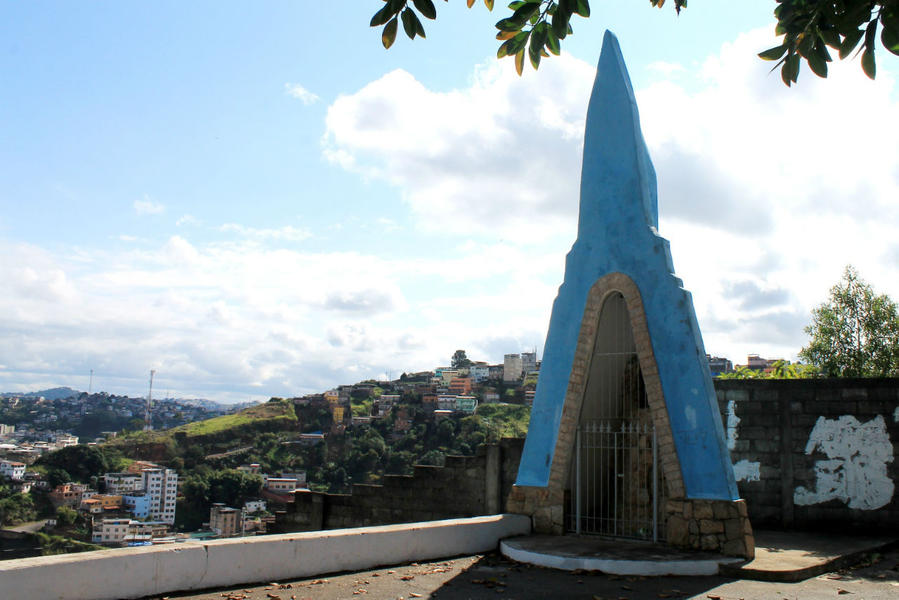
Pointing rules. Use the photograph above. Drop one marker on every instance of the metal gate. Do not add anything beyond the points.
(616, 484)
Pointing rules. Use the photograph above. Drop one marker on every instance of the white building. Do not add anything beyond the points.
(253, 506)
(479, 373)
(161, 485)
(12, 469)
(528, 362)
(120, 484)
(512, 367)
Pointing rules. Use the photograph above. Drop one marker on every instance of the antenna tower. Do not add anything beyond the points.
(147, 425)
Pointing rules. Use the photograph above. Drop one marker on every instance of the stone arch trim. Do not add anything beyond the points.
(580, 368)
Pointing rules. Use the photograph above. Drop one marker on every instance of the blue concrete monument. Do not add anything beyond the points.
(619, 251)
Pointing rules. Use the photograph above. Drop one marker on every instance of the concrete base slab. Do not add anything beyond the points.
(617, 557)
(797, 555)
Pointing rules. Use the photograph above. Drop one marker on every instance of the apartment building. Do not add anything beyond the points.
(161, 485)
(12, 469)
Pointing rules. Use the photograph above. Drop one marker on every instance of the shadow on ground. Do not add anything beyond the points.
(494, 576)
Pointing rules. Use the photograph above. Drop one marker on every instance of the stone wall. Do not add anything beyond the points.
(465, 486)
(813, 453)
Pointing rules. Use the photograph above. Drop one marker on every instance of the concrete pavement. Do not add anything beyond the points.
(493, 576)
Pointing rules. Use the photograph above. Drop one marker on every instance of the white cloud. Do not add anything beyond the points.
(295, 90)
(148, 207)
(187, 220)
(466, 160)
(286, 233)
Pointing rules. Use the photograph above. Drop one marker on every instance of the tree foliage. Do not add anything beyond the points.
(536, 28)
(810, 27)
(855, 333)
(460, 360)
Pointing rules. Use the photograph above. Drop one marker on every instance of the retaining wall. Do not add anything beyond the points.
(153, 571)
(465, 486)
(813, 453)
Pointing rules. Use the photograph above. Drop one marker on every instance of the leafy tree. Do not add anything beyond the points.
(66, 516)
(80, 462)
(855, 333)
(536, 28)
(459, 360)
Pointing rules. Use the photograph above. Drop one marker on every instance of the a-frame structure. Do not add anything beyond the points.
(625, 437)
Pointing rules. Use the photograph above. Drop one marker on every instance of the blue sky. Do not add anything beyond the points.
(260, 200)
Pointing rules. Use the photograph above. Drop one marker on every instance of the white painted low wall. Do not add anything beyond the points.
(146, 571)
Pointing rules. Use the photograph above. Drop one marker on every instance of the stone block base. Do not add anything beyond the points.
(714, 525)
(544, 507)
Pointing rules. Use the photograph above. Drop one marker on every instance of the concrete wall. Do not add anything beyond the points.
(152, 571)
(814, 453)
(465, 486)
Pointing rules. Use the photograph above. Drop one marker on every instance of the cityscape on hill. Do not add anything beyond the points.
(89, 470)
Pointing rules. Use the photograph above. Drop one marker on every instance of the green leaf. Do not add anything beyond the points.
(582, 7)
(830, 37)
(519, 61)
(817, 64)
(426, 8)
(890, 40)
(408, 24)
(552, 42)
(560, 20)
(517, 4)
(850, 42)
(525, 12)
(773, 53)
(388, 36)
(868, 64)
(870, 33)
(382, 16)
(488, 4)
(509, 25)
(534, 53)
(789, 73)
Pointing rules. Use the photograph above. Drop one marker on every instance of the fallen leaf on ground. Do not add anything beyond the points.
(407, 577)
(841, 591)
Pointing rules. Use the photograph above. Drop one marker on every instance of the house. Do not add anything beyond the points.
(446, 402)
(281, 485)
(512, 367)
(122, 483)
(479, 372)
(138, 504)
(254, 506)
(460, 386)
(12, 469)
(224, 520)
(466, 404)
(67, 494)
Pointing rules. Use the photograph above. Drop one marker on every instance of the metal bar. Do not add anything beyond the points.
(615, 477)
(577, 484)
(655, 487)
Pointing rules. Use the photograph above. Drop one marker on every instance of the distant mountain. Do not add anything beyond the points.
(57, 393)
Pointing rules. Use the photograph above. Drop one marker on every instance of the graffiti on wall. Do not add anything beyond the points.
(855, 471)
(744, 470)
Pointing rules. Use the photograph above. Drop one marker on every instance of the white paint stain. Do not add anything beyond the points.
(855, 471)
(690, 413)
(732, 421)
(746, 470)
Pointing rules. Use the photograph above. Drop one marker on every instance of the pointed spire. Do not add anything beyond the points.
(617, 174)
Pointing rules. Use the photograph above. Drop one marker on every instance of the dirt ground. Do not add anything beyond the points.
(492, 576)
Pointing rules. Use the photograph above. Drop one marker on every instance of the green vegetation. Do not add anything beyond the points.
(534, 29)
(781, 370)
(57, 544)
(276, 410)
(15, 508)
(855, 333)
(80, 463)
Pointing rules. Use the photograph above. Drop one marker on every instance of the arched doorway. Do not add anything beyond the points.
(616, 486)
